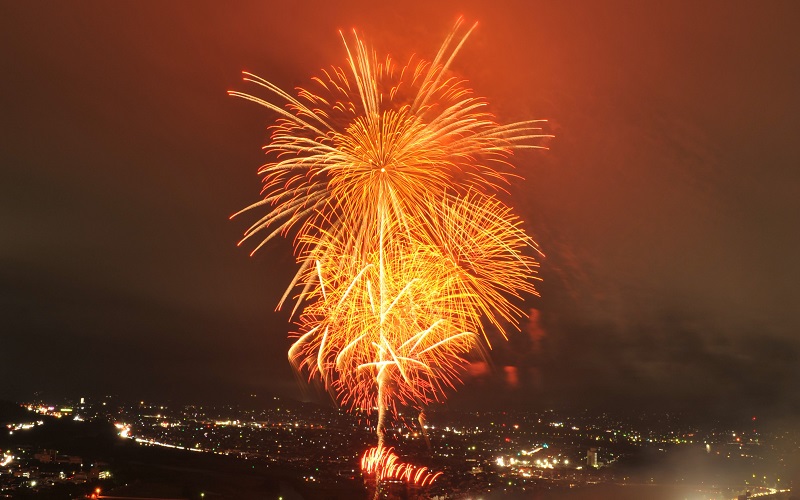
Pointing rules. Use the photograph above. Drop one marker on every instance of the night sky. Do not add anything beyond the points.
(668, 204)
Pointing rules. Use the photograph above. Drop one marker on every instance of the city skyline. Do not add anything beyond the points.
(309, 449)
(666, 205)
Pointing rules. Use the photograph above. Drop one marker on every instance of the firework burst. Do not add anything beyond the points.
(401, 319)
(388, 176)
(375, 134)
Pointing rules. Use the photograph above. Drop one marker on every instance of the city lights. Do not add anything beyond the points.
(477, 450)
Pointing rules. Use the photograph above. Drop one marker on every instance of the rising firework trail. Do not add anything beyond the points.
(389, 178)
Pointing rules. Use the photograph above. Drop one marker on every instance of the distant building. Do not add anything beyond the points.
(68, 459)
(591, 457)
(46, 456)
(52, 456)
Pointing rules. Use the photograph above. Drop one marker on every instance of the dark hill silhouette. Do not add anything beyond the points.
(13, 412)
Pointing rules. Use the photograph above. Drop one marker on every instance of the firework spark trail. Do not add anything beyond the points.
(385, 464)
(483, 242)
(388, 178)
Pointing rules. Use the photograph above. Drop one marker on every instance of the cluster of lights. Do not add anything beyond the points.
(225, 423)
(22, 426)
(153, 442)
(541, 463)
(548, 464)
(52, 411)
(768, 492)
(124, 430)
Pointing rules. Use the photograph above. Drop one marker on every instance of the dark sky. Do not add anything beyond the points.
(668, 204)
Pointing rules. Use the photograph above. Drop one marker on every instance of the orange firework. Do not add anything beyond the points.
(376, 134)
(482, 243)
(384, 464)
(388, 177)
(401, 320)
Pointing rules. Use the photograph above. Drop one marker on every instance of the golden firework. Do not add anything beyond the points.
(373, 133)
(388, 176)
(401, 320)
